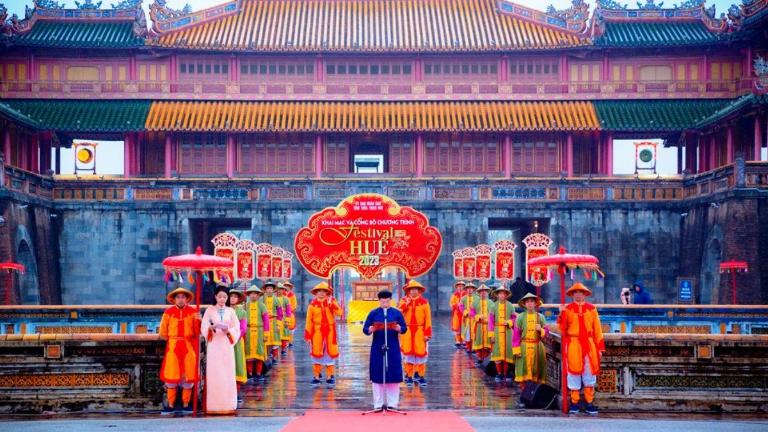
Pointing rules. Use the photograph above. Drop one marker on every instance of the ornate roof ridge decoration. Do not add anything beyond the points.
(650, 11)
(748, 13)
(573, 19)
(165, 19)
(50, 10)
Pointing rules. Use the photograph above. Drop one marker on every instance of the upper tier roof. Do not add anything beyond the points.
(364, 25)
(373, 26)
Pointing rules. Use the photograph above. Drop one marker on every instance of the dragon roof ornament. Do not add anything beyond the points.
(164, 19)
(651, 11)
(573, 19)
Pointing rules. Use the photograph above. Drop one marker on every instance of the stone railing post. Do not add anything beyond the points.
(739, 171)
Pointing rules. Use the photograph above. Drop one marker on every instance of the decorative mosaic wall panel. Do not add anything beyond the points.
(106, 194)
(330, 194)
(72, 329)
(153, 194)
(112, 379)
(586, 194)
(693, 329)
(287, 193)
(608, 381)
(648, 351)
(451, 194)
(702, 381)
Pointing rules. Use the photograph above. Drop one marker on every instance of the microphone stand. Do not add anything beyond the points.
(384, 353)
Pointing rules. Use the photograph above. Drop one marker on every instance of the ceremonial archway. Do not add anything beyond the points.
(27, 288)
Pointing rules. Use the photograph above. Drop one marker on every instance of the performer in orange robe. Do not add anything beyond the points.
(320, 333)
(180, 327)
(415, 343)
(456, 314)
(583, 341)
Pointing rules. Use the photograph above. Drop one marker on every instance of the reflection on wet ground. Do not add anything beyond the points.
(454, 380)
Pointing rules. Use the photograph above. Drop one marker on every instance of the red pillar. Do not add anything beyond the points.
(318, 157)
(419, 156)
(230, 156)
(712, 164)
(136, 157)
(569, 154)
(729, 145)
(600, 153)
(34, 160)
(7, 146)
(168, 156)
(758, 139)
(507, 157)
(609, 143)
(127, 155)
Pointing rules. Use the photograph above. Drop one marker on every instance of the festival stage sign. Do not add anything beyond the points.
(245, 260)
(224, 246)
(504, 251)
(483, 262)
(368, 232)
(537, 245)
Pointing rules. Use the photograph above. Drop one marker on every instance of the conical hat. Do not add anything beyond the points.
(414, 284)
(322, 286)
(502, 288)
(238, 292)
(483, 287)
(578, 287)
(253, 289)
(530, 296)
(179, 290)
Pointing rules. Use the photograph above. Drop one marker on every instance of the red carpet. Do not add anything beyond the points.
(351, 421)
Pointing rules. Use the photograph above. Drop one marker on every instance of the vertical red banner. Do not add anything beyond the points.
(483, 262)
(537, 245)
(277, 262)
(225, 246)
(287, 265)
(468, 263)
(504, 251)
(244, 265)
(263, 261)
(458, 269)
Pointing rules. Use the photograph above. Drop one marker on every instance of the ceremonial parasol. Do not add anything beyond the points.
(733, 267)
(562, 262)
(199, 264)
(11, 267)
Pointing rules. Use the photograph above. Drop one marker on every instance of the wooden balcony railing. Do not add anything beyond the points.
(486, 90)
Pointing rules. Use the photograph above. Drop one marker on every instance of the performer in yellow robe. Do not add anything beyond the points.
(180, 327)
(257, 318)
(482, 339)
(465, 308)
(414, 344)
(294, 302)
(275, 309)
(456, 297)
(289, 321)
(583, 342)
(320, 333)
(500, 325)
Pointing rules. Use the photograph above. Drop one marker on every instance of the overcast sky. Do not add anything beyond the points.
(110, 155)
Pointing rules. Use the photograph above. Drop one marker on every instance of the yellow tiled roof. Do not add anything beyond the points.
(368, 26)
(370, 116)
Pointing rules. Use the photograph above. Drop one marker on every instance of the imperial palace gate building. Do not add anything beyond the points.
(492, 118)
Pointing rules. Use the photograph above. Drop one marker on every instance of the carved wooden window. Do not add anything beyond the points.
(462, 155)
(263, 70)
(268, 155)
(534, 69)
(535, 157)
(211, 69)
(401, 156)
(203, 154)
(336, 158)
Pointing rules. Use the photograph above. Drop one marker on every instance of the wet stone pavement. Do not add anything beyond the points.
(454, 382)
